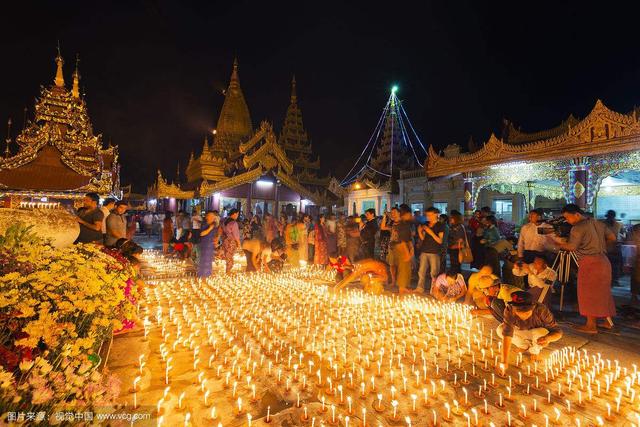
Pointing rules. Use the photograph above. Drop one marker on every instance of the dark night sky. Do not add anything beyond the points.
(154, 70)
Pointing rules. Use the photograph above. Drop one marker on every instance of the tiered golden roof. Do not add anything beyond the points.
(58, 151)
(295, 140)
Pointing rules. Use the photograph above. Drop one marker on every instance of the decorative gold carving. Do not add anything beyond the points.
(602, 132)
(467, 196)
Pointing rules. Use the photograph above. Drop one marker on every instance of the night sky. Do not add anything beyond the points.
(153, 71)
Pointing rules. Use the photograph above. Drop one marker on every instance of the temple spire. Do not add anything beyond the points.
(75, 91)
(59, 80)
(7, 151)
(234, 123)
(234, 83)
(294, 96)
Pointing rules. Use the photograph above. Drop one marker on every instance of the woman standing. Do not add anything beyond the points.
(231, 238)
(385, 233)
(167, 232)
(321, 256)
(490, 236)
(341, 235)
(293, 245)
(332, 238)
(303, 249)
(475, 225)
(635, 271)
(353, 238)
(206, 245)
(456, 240)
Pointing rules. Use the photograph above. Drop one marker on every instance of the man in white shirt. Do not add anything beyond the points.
(106, 208)
(531, 242)
(147, 221)
(540, 277)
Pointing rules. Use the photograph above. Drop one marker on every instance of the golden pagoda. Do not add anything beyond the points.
(253, 171)
(234, 123)
(58, 156)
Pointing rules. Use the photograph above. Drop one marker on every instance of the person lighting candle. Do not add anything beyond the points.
(449, 287)
(496, 296)
(529, 325)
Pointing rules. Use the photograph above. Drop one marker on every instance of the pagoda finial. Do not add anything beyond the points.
(7, 151)
(75, 91)
(178, 173)
(294, 95)
(59, 80)
(235, 78)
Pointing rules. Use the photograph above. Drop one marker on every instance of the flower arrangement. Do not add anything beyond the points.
(57, 306)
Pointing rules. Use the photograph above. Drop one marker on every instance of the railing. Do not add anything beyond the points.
(416, 173)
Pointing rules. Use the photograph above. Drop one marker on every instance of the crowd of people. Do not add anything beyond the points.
(511, 278)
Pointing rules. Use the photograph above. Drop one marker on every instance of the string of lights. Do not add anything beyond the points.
(392, 112)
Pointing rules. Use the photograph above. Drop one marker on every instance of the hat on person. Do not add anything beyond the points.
(521, 300)
(488, 281)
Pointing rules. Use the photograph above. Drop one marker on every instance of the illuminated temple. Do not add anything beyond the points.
(593, 162)
(58, 158)
(250, 169)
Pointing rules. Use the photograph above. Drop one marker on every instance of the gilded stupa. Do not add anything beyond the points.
(234, 123)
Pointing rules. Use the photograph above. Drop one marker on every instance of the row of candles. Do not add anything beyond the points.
(356, 359)
(39, 205)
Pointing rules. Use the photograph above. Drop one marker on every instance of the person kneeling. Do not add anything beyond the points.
(372, 273)
(528, 325)
(495, 296)
(448, 287)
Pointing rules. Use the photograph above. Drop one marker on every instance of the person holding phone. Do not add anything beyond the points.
(431, 237)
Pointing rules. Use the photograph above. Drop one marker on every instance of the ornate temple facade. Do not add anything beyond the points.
(58, 157)
(249, 169)
(593, 162)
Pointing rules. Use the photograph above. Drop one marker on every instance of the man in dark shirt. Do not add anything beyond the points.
(90, 220)
(402, 249)
(528, 325)
(431, 236)
(368, 234)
